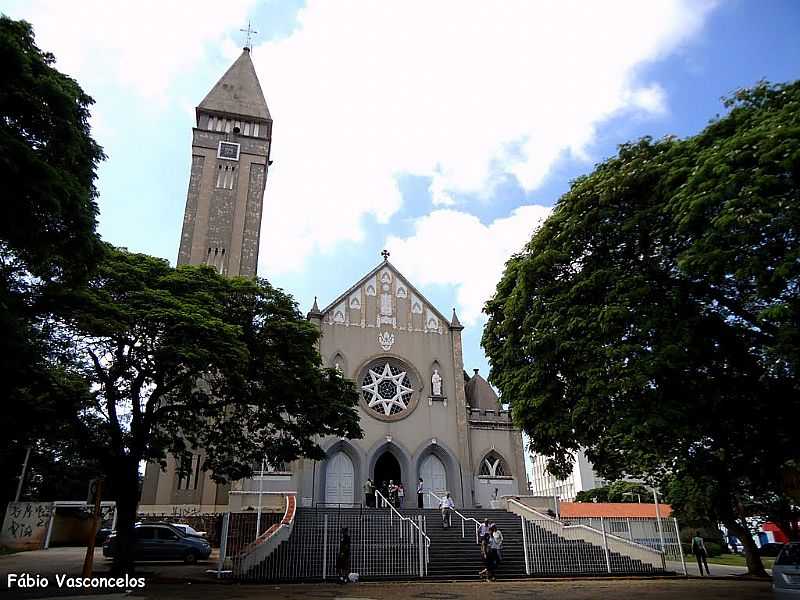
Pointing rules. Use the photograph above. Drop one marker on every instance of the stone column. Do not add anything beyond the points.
(462, 422)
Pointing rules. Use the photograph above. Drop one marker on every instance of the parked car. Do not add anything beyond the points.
(162, 541)
(770, 549)
(102, 535)
(188, 529)
(786, 573)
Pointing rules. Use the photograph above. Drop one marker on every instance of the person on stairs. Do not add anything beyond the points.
(420, 494)
(369, 493)
(498, 538)
(446, 505)
(401, 495)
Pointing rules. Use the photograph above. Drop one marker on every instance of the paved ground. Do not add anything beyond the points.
(686, 589)
(716, 570)
(70, 560)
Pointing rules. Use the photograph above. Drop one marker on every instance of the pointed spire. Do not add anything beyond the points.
(238, 91)
(454, 322)
(315, 312)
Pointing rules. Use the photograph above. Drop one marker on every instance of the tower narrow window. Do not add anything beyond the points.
(255, 129)
(219, 179)
(247, 127)
(233, 170)
(211, 123)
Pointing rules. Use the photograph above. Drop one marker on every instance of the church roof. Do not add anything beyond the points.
(238, 91)
(480, 394)
(372, 273)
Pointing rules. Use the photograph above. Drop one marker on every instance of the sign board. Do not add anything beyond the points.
(25, 525)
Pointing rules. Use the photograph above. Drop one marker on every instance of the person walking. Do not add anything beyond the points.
(343, 558)
(420, 494)
(401, 495)
(700, 553)
(446, 506)
(392, 493)
(369, 493)
(489, 546)
(498, 538)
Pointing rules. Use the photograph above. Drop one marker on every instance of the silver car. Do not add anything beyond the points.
(786, 573)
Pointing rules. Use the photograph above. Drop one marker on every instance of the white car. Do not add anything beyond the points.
(189, 530)
(786, 573)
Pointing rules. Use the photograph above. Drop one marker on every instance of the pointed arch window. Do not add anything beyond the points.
(493, 465)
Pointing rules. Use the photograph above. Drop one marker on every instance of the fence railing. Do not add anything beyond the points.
(381, 546)
(641, 530)
(464, 520)
(424, 540)
(555, 547)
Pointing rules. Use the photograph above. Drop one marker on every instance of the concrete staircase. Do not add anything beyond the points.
(377, 555)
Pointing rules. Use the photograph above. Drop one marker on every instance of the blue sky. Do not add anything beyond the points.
(442, 131)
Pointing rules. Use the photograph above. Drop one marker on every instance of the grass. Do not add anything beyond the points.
(737, 560)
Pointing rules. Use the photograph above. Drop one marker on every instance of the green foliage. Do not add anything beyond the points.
(48, 163)
(617, 491)
(654, 319)
(47, 160)
(181, 360)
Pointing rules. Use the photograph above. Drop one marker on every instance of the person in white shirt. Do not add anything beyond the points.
(447, 505)
(498, 539)
(420, 494)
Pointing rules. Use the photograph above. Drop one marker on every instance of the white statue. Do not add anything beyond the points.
(436, 383)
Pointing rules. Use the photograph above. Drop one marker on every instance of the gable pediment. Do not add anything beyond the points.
(384, 298)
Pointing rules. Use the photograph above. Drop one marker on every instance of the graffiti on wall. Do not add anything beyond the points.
(25, 525)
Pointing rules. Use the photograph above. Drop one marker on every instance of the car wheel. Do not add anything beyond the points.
(190, 558)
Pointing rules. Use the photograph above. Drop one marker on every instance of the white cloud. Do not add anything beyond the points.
(451, 247)
(140, 46)
(463, 92)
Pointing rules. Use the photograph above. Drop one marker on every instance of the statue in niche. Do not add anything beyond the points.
(436, 383)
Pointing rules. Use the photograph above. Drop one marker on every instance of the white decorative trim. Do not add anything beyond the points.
(416, 305)
(355, 301)
(402, 292)
(386, 341)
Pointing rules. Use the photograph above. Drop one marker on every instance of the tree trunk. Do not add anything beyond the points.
(126, 485)
(754, 565)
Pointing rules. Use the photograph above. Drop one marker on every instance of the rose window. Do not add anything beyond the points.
(387, 388)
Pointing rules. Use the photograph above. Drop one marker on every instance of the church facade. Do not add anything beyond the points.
(422, 415)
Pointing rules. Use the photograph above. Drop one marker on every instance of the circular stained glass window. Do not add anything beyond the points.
(386, 388)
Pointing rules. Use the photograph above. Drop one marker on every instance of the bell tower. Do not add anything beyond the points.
(231, 144)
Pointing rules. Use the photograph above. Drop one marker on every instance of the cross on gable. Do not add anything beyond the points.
(385, 255)
(248, 40)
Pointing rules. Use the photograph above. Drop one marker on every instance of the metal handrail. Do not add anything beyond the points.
(402, 518)
(582, 526)
(463, 519)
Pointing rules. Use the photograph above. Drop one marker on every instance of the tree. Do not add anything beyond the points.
(185, 359)
(654, 319)
(48, 163)
(617, 491)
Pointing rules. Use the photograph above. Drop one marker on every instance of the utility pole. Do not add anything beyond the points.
(22, 475)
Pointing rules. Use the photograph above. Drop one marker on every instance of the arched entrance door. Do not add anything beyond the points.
(386, 469)
(339, 479)
(434, 478)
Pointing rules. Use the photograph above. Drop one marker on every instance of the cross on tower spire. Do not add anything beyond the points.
(385, 255)
(249, 39)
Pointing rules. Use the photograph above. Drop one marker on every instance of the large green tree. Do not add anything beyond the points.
(48, 163)
(185, 359)
(654, 319)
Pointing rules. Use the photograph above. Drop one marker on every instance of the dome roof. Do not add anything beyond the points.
(480, 394)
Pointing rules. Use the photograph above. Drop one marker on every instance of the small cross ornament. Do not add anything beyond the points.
(385, 255)
(248, 44)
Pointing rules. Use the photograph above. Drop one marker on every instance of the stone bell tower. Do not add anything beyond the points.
(230, 158)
